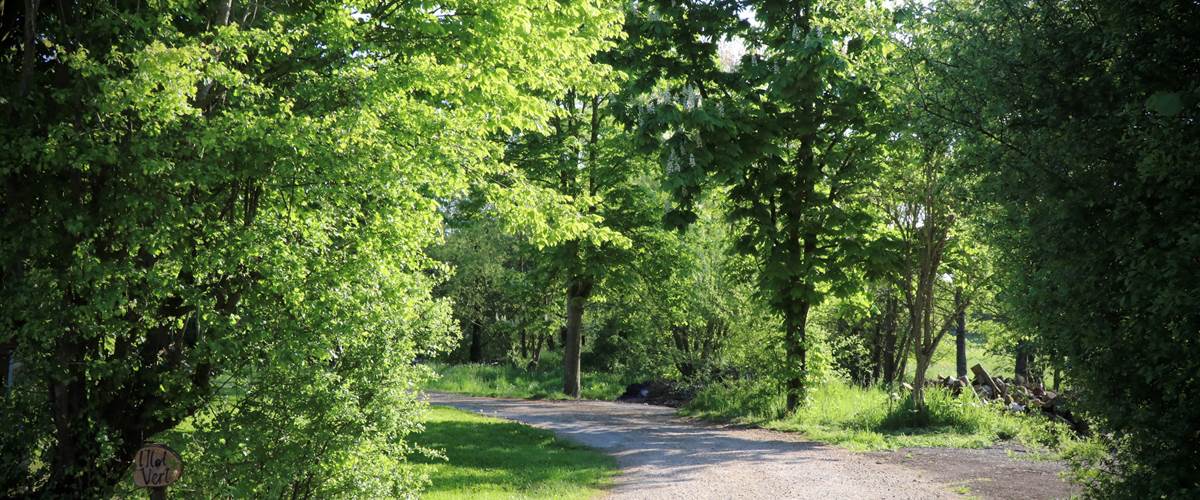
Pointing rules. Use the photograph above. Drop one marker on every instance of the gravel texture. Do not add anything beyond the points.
(662, 456)
(1007, 472)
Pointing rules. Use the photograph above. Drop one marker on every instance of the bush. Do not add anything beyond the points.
(1094, 177)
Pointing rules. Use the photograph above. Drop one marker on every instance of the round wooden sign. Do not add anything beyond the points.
(156, 466)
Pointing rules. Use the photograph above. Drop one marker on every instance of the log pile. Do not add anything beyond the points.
(1016, 395)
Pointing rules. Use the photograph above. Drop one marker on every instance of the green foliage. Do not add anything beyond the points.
(488, 458)
(1082, 118)
(792, 129)
(235, 226)
(198, 194)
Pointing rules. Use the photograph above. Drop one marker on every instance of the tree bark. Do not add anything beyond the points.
(476, 354)
(29, 52)
(796, 322)
(1022, 364)
(524, 344)
(536, 357)
(919, 380)
(684, 362)
(890, 358)
(577, 295)
(876, 353)
(960, 335)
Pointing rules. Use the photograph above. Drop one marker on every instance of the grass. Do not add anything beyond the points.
(488, 458)
(838, 413)
(872, 419)
(505, 381)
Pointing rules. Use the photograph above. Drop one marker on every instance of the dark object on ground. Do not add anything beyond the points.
(657, 393)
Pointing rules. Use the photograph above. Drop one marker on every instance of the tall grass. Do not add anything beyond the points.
(873, 419)
(506, 381)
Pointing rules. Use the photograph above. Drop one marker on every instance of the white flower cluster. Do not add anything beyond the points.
(674, 156)
(691, 97)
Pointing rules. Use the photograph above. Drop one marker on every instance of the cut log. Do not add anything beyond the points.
(982, 374)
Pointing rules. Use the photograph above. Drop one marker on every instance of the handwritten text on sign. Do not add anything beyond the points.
(156, 466)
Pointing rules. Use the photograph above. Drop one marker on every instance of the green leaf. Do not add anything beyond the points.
(1165, 103)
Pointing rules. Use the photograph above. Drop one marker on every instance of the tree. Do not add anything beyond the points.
(924, 205)
(585, 157)
(937, 264)
(234, 197)
(1083, 118)
(793, 129)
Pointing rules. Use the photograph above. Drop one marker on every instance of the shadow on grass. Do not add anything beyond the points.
(486, 457)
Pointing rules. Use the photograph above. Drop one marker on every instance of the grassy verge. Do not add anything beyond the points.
(492, 458)
(872, 419)
(504, 381)
(838, 413)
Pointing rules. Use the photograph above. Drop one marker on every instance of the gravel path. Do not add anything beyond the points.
(662, 456)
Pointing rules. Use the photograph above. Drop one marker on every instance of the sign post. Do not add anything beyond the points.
(155, 467)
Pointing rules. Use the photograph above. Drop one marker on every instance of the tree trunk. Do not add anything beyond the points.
(577, 295)
(536, 357)
(918, 394)
(1022, 366)
(902, 358)
(680, 335)
(890, 358)
(524, 344)
(795, 324)
(476, 354)
(29, 51)
(876, 353)
(960, 335)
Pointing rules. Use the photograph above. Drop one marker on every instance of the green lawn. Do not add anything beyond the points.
(488, 458)
(505, 381)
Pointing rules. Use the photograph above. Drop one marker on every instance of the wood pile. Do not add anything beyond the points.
(1016, 395)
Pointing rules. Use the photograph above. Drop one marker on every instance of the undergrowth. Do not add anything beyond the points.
(836, 412)
(874, 419)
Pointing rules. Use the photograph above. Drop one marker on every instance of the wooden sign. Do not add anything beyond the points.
(156, 466)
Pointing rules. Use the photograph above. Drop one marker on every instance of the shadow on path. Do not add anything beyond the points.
(662, 456)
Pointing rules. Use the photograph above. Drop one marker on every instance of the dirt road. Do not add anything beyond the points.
(662, 456)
